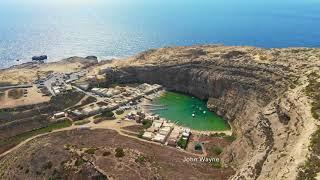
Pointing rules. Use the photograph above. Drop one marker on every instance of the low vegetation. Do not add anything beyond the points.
(26, 135)
(15, 93)
(90, 150)
(3, 84)
(198, 147)
(216, 150)
(2, 95)
(225, 136)
(140, 134)
(79, 162)
(107, 114)
(311, 167)
(119, 112)
(82, 122)
(66, 100)
(140, 159)
(146, 123)
(119, 152)
(182, 143)
(312, 91)
(97, 121)
(216, 164)
(88, 100)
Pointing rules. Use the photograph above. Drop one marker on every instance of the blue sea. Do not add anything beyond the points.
(120, 28)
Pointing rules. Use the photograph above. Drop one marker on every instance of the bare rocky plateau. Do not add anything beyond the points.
(261, 92)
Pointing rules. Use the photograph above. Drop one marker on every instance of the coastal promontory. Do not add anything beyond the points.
(270, 98)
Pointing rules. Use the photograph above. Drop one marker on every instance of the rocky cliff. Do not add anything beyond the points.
(259, 91)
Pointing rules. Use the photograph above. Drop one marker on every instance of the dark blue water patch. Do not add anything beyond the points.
(126, 27)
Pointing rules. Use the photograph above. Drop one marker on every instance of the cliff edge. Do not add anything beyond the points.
(261, 92)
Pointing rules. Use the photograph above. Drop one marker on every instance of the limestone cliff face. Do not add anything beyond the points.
(250, 88)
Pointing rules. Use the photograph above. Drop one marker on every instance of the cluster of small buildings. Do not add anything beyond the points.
(137, 116)
(117, 98)
(164, 132)
(87, 111)
(106, 92)
(125, 96)
(71, 77)
(57, 83)
(159, 131)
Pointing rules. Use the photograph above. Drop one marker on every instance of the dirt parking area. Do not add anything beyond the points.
(21, 97)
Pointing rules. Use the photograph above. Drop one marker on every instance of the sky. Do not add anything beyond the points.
(51, 1)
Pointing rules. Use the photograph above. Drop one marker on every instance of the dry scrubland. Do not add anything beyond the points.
(71, 151)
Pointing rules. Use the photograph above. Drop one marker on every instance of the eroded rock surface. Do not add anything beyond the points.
(259, 91)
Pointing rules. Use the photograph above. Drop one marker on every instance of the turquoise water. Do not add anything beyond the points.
(117, 28)
(179, 108)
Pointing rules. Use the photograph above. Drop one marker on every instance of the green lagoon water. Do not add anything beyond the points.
(180, 107)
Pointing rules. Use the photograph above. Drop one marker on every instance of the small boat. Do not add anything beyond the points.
(193, 115)
(204, 112)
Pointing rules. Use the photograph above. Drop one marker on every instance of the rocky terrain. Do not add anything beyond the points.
(270, 97)
(261, 92)
(102, 154)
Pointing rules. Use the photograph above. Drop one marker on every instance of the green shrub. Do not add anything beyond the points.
(146, 123)
(140, 134)
(119, 152)
(119, 112)
(198, 147)
(90, 151)
(82, 122)
(140, 159)
(107, 114)
(79, 162)
(216, 150)
(182, 143)
(216, 164)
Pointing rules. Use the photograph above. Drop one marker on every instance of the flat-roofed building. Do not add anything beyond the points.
(159, 138)
(147, 135)
(59, 115)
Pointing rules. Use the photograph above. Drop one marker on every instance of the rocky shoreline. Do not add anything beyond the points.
(260, 92)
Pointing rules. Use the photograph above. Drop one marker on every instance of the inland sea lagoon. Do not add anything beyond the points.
(188, 111)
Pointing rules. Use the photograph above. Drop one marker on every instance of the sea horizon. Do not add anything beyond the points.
(126, 27)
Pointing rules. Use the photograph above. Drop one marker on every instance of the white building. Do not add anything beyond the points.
(147, 135)
(159, 138)
(59, 115)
